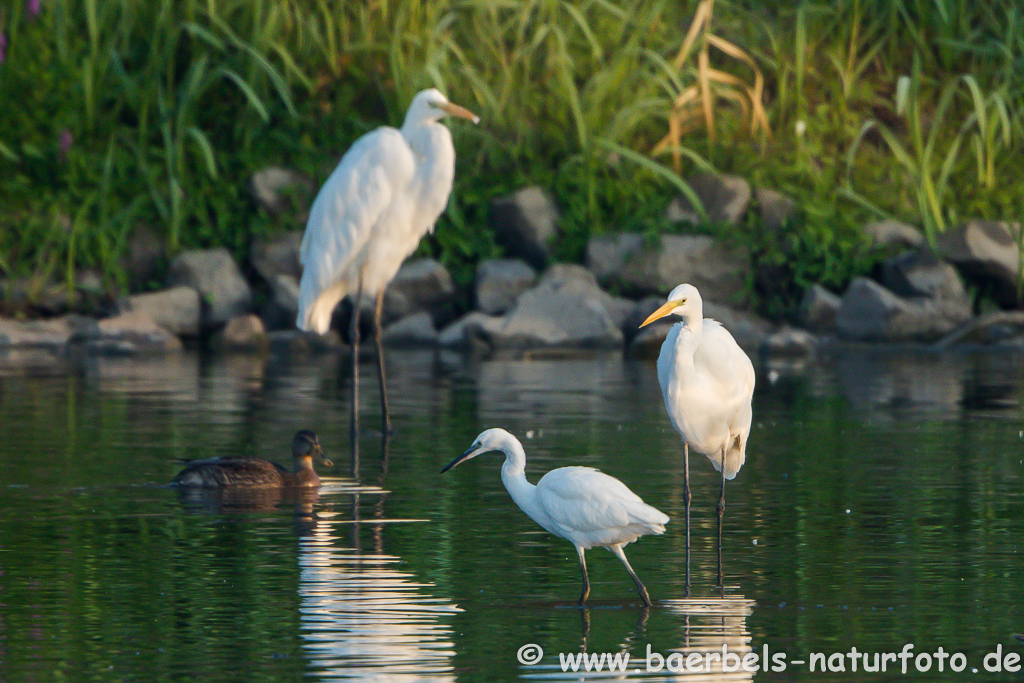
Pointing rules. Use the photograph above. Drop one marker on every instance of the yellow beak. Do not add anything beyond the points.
(461, 112)
(667, 308)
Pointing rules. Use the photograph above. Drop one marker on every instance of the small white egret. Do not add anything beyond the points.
(580, 504)
(708, 383)
(386, 193)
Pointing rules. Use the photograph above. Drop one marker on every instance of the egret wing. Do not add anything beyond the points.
(726, 363)
(376, 169)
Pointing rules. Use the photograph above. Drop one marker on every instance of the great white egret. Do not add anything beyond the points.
(256, 472)
(580, 504)
(386, 193)
(708, 383)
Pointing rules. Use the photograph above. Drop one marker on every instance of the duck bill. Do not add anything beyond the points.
(660, 313)
(461, 459)
(320, 454)
(461, 112)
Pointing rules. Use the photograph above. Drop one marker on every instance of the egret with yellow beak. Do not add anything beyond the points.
(708, 383)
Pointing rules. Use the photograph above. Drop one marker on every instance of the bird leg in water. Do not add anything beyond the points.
(617, 550)
(354, 338)
(586, 581)
(686, 497)
(378, 337)
(721, 510)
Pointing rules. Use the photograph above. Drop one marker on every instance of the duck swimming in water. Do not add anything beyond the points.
(257, 472)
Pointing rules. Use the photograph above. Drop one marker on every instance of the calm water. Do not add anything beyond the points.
(880, 505)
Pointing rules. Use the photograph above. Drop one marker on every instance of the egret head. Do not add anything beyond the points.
(683, 301)
(430, 105)
(306, 445)
(491, 440)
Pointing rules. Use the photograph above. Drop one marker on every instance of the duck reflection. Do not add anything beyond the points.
(361, 616)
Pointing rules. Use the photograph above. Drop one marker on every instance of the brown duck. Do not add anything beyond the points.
(257, 472)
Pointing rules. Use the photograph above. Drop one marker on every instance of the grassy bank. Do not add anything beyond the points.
(129, 113)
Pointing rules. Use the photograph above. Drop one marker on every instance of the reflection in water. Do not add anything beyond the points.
(361, 616)
(708, 625)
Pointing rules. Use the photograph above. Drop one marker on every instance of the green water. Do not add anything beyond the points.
(880, 506)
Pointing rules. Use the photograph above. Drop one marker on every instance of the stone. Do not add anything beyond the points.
(790, 341)
(277, 256)
(52, 333)
(145, 257)
(499, 282)
(565, 309)
(524, 223)
(987, 252)
(296, 341)
(469, 328)
(414, 330)
(134, 332)
(278, 189)
(890, 233)
(214, 274)
(607, 254)
(870, 312)
(177, 310)
(242, 333)
(818, 309)
(918, 273)
(725, 199)
(777, 210)
(747, 329)
(647, 342)
(709, 265)
(425, 285)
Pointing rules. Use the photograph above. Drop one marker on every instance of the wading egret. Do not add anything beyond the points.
(580, 504)
(257, 472)
(708, 383)
(386, 193)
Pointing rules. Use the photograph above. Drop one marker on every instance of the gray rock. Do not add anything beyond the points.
(242, 333)
(818, 309)
(145, 256)
(277, 256)
(710, 266)
(414, 330)
(524, 224)
(918, 273)
(472, 326)
(499, 282)
(285, 289)
(620, 310)
(277, 189)
(987, 252)
(177, 310)
(790, 341)
(608, 254)
(776, 208)
(647, 342)
(870, 312)
(559, 275)
(725, 199)
(53, 333)
(425, 285)
(298, 342)
(890, 233)
(747, 329)
(565, 309)
(129, 333)
(214, 274)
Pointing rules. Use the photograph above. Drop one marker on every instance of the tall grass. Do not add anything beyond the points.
(130, 112)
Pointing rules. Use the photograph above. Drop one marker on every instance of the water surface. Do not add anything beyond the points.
(880, 505)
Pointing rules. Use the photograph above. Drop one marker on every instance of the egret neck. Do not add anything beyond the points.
(513, 476)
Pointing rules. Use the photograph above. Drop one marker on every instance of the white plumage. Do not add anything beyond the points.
(580, 504)
(707, 382)
(386, 193)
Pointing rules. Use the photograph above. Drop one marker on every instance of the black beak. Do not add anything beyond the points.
(465, 456)
(319, 451)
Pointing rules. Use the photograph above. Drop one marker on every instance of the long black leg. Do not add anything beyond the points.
(586, 581)
(378, 336)
(354, 335)
(721, 512)
(640, 588)
(686, 498)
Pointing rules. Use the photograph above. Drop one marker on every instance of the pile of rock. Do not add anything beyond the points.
(526, 301)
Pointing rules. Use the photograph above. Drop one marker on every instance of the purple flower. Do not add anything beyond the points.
(65, 143)
(32, 7)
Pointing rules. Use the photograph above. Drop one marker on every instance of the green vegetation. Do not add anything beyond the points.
(129, 113)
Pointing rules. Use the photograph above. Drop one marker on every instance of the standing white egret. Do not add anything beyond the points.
(580, 504)
(384, 196)
(708, 384)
